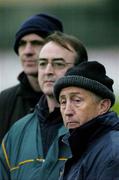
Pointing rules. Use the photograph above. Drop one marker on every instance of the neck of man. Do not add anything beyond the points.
(33, 80)
(52, 103)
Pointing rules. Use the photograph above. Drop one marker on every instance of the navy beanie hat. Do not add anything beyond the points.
(41, 24)
(89, 75)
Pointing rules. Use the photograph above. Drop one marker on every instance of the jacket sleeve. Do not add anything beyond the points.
(4, 162)
(110, 171)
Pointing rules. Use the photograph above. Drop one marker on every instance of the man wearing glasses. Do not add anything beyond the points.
(33, 148)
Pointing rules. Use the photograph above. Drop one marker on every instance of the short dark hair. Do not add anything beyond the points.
(64, 40)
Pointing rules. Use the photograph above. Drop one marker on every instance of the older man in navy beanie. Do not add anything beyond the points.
(21, 99)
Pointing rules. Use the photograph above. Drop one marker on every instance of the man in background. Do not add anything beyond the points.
(21, 99)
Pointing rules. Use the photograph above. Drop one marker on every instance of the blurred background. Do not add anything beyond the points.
(95, 23)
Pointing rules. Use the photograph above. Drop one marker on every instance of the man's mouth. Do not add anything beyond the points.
(72, 124)
(49, 82)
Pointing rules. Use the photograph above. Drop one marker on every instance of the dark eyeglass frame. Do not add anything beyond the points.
(56, 63)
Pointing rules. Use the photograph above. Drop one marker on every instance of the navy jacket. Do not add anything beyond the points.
(95, 149)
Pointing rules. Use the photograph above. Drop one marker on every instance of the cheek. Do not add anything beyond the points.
(37, 50)
(20, 51)
(40, 77)
(88, 113)
(20, 55)
(83, 113)
(40, 73)
(62, 112)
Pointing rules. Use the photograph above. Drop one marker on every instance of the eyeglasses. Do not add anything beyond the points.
(56, 64)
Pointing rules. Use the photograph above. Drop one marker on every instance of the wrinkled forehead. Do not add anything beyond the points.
(70, 90)
(73, 90)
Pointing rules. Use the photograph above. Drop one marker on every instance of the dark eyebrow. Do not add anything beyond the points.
(37, 40)
(32, 41)
(22, 41)
(42, 59)
(54, 59)
(71, 94)
(58, 59)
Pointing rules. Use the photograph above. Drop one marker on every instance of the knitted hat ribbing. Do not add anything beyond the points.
(90, 76)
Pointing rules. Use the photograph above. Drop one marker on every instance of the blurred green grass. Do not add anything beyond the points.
(116, 107)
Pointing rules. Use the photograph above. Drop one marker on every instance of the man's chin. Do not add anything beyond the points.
(33, 74)
(48, 93)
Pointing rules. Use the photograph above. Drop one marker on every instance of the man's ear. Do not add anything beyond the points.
(105, 105)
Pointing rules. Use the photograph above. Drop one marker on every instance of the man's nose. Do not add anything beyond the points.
(49, 68)
(68, 109)
(28, 49)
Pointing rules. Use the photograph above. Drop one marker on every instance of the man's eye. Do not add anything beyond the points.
(59, 64)
(22, 43)
(42, 63)
(35, 43)
(76, 101)
(62, 102)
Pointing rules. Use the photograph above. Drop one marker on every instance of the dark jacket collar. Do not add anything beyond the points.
(81, 137)
(44, 116)
(24, 81)
(25, 89)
